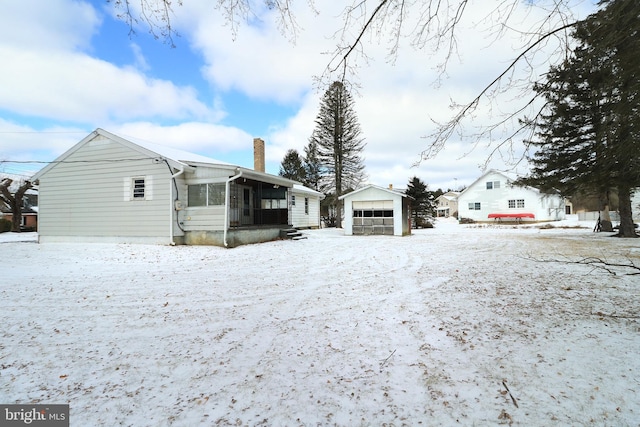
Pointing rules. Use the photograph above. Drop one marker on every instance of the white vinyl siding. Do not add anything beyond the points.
(307, 214)
(210, 218)
(507, 198)
(83, 195)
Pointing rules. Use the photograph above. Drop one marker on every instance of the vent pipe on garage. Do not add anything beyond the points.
(258, 154)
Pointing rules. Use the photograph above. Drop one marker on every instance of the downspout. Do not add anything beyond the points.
(228, 204)
(172, 205)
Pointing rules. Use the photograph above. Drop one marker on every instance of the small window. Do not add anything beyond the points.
(520, 203)
(137, 188)
(489, 185)
(474, 206)
(496, 184)
(293, 200)
(512, 204)
(306, 205)
(206, 194)
(493, 184)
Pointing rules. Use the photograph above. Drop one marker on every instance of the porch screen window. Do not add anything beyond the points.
(273, 198)
(206, 194)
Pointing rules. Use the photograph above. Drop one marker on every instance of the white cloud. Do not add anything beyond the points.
(74, 87)
(47, 25)
(46, 74)
(203, 138)
(141, 61)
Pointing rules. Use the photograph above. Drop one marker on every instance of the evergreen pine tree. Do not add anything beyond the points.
(337, 136)
(312, 166)
(292, 167)
(588, 135)
(421, 205)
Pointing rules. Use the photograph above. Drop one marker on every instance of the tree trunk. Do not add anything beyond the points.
(16, 218)
(605, 220)
(627, 228)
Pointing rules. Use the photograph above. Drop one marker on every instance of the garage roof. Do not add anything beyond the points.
(397, 193)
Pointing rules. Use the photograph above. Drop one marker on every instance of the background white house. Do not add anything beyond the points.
(376, 210)
(493, 197)
(447, 204)
(109, 189)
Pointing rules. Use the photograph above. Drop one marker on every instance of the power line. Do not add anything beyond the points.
(42, 132)
(77, 161)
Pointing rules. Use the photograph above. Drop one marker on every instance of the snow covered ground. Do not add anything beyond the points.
(457, 325)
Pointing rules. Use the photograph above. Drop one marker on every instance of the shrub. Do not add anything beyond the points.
(466, 221)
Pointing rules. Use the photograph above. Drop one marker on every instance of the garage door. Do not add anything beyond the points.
(373, 217)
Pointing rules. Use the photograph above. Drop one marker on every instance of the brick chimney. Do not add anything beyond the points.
(258, 154)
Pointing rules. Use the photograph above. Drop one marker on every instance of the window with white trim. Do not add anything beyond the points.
(306, 205)
(520, 203)
(293, 200)
(474, 206)
(212, 194)
(493, 184)
(138, 188)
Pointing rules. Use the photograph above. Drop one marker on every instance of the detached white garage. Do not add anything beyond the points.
(374, 210)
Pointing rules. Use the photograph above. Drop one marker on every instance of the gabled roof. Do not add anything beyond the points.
(509, 177)
(302, 189)
(449, 195)
(177, 158)
(388, 190)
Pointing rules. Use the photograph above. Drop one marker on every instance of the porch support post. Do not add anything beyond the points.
(228, 204)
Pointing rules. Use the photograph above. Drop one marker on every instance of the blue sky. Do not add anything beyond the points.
(70, 66)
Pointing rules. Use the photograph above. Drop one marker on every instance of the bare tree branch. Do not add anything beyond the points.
(436, 23)
(613, 268)
(446, 130)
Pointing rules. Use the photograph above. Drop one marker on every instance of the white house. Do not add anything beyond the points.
(376, 210)
(109, 189)
(305, 206)
(493, 197)
(447, 204)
